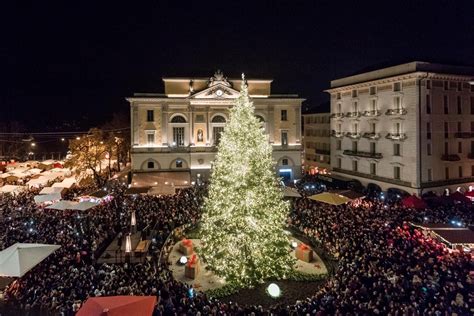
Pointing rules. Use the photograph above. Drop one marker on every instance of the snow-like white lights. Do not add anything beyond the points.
(183, 260)
(274, 290)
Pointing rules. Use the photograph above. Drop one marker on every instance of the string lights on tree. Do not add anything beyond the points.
(243, 221)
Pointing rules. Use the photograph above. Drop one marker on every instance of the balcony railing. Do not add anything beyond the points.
(337, 115)
(453, 157)
(371, 113)
(322, 152)
(337, 134)
(353, 135)
(464, 135)
(365, 154)
(353, 114)
(399, 111)
(371, 135)
(396, 136)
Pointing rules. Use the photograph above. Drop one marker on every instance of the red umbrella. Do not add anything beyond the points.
(458, 196)
(118, 306)
(413, 202)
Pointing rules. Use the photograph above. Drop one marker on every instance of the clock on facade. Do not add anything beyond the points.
(219, 92)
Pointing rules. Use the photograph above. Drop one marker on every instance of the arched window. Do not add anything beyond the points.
(178, 119)
(260, 118)
(218, 119)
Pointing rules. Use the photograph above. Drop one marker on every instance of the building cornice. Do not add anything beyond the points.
(259, 101)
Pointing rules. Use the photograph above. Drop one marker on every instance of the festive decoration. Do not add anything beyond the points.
(242, 226)
(191, 269)
(273, 290)
(186, 247)
(304, 253)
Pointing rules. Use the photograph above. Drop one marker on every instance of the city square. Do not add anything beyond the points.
(337, 186)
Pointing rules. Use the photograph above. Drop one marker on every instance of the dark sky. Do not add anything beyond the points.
(77, 62)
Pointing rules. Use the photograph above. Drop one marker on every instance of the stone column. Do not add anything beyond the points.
(164, 124)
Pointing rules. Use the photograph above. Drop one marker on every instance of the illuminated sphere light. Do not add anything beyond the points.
(294, 244)
(183, 260)
(273, 290)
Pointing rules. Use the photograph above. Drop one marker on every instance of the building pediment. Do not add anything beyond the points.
(216, 91)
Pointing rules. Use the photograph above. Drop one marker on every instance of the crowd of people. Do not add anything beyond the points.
(385, 266)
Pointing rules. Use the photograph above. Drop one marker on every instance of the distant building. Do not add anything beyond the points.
(177, 132)
(316, 143)
(409, 127)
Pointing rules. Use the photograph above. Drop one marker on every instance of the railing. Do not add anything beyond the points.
(365, 154)
(322, 151)
(400, 111)
(353, 114)
(337, 134)
(371, 135)
(337, 115)
(353, 135)
(373, 177)
(464, 135)
(452, 157)
(371, 113)
(396, 136)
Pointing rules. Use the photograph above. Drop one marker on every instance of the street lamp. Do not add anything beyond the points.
(33, 144)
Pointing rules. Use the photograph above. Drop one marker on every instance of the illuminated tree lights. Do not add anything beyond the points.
(242, 226)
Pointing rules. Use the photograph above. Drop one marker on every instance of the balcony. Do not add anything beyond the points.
(353, 114)
(463, 135)
(396, 136)
(364, 154)
(400, 111)
(337, 115)
(353, 135)
(337, 134)
(371, 113)
(450, 157)
(373, 136)
(322, 152)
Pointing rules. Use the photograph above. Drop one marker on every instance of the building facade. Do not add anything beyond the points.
(409, 127)
(178, 131)
(316, 143)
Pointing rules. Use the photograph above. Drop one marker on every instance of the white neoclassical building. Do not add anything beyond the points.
(177, 132)
(409, 126)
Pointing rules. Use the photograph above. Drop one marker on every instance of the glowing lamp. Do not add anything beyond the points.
(294, 244)
(273, 290)
(183, 260)
(128, 244)
(133, 220)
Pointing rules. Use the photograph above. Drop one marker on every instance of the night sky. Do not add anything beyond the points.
(60, 62)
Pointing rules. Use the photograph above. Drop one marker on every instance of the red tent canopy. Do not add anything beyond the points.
(458, 196)
(118, 306)
(413, 202)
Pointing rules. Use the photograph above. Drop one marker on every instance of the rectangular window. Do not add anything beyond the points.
(472, 103)
(373, 169)
(459, 86)
(150, 165)
(338, 96)
(373, 90)
(150, 116)
(459, 127)
(428, 84)
(354, 93)
(445, 104)
(446, 173)
(459, 147)
(354, 146)
(178, 136)
(355, 107)
(472, 171)
(428, 130)
(396, 173)
(179, 163)
(284, 115)
(396, 149)
(372, 148)
(355, 165)
(459, 104)
(446, 130)
(373, 127)
(472, 127)
(446, 85)
(472, 146)
(339, 108)
(284, 138)
(284, 161)
(339, 163)
(460, 172)
(428, 104)
(373, 105)
(428, 149)
(397, 102)
(150, 137)
(397, 86)
(446, 148)
(338, 145)
(216, 134)
(355, 128)
(430, 175)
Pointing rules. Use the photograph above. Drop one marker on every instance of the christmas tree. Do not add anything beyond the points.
(243, 220)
